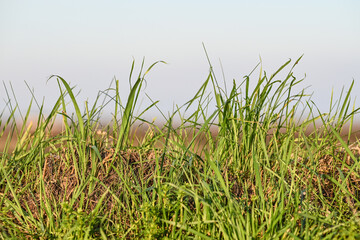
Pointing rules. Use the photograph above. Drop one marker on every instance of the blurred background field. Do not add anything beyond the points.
(88, 43)
(138, 133)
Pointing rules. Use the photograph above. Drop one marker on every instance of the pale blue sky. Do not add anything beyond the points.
(89, 42)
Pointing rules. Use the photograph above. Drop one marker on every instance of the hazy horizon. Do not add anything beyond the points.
(88, 43)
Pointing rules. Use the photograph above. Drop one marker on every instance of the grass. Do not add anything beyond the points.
(262, 175)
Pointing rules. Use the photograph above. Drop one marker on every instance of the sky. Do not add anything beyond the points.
(89, 43)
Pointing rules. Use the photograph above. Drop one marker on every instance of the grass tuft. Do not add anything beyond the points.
(250, 168)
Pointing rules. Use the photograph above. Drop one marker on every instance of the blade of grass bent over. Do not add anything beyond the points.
(77, 110)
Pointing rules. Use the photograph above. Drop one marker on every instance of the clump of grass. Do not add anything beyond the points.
(261, 175)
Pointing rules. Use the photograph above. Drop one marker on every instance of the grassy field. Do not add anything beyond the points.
(260, 175)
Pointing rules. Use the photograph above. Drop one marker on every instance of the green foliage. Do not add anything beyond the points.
(250, 169)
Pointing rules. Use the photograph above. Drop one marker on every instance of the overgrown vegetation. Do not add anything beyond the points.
(263, 175)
